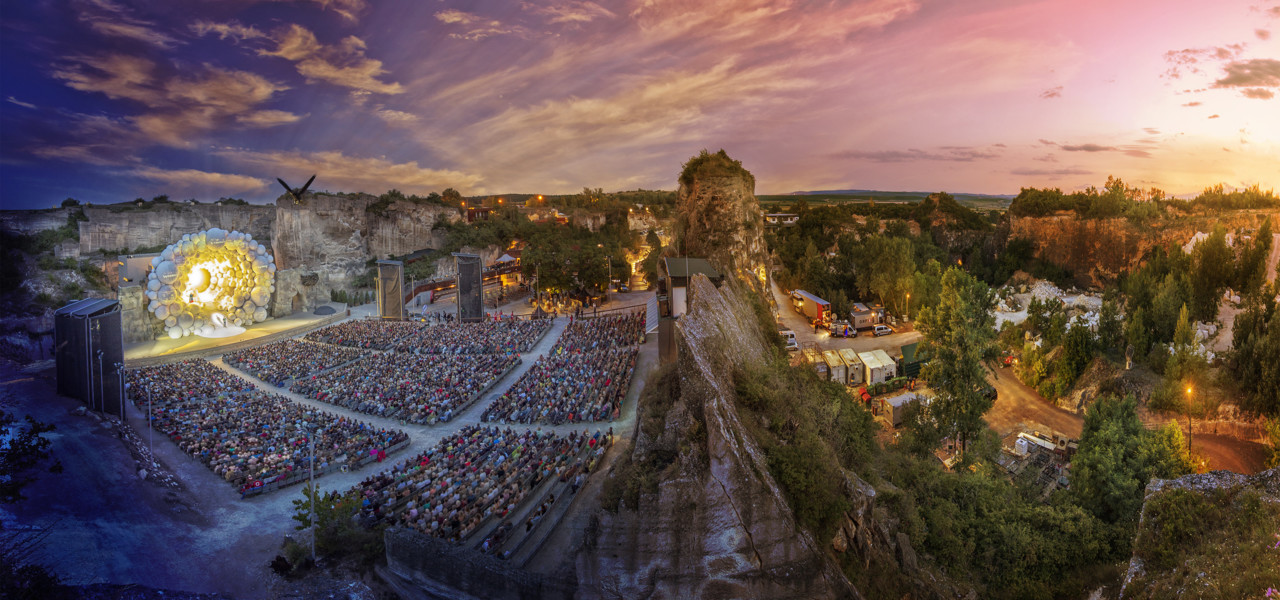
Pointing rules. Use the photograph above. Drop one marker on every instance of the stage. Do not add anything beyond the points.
(165, 350)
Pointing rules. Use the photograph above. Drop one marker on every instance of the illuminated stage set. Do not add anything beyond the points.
(211, 284)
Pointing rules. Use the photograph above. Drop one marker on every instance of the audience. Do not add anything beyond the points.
(416, 388)
(254, 438)
(585, 335)
(187, 380)
(368, 333)
(475, 476)
(569, 388)
(281, 362)
(489, 337)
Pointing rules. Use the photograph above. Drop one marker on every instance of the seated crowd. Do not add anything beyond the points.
(490, 337)
(186, 380)
(367, 333)
(476, 476)
(585, 335)
(255, 438)
(568, 388)
(281, 362)
(417, 388)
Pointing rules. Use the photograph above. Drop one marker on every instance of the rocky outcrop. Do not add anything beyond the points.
(642, 221)
(1210, 535)
(721, 221)
(30, 222)
(720, 527)
(120, 228)
(339, 234)
(1098, 250)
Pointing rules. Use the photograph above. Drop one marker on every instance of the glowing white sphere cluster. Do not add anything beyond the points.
(211, 278)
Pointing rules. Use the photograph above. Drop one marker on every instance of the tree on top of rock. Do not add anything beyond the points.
(720, 218)
(706, 164)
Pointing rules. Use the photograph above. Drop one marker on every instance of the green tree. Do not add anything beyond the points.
(1251, 272)
(959, 333)
(1110, 326)
(451, 196)
(70, 203)
(1255, 356)
(1137, 332)
(23, 448)
(1117, 458)
(926, 286)
(1078, 349)
(886, 270)
(1212, 271)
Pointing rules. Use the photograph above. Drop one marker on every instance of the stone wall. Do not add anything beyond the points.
(1098, 250)
(122, 228)
(29, 222)
(719, 525)
(420, 558)
(722, 221)
(311, 289)
(338, 235)
(136, 323)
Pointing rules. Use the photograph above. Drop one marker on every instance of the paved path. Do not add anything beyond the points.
(863, 342)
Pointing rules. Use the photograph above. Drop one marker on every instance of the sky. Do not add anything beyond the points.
(108, 100)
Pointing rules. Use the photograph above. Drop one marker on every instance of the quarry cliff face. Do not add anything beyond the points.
(722, 221)
(720, 527)
(1098, 250)
(338, 234)
(124, 228)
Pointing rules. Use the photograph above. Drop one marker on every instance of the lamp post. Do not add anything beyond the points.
(311, 446)
(908, 315)
(1189, 388)
(150, 435)
(608, 282)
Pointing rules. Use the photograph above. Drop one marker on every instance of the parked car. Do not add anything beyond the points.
(882, 330)
(789, 337)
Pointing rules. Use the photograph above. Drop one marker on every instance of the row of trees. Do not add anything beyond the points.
(1116, 199)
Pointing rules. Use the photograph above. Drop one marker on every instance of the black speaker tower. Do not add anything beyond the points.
(89, 353)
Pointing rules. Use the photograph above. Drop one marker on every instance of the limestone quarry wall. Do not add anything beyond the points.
(1098, 250)
(722, 222)
(337, 234)
(28, 222)
(719, 530)
(123, 229)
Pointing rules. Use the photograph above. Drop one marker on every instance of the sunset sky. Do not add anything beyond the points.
(107, 100)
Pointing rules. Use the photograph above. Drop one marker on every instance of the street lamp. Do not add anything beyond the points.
(1189, 388)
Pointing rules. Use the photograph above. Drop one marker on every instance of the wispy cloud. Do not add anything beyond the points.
(185, 181)
(395, 116)
(1256, 74)
(343, 64)
(1263, 34)
(1053, 92)
(111, 19)
(1050, 172)
(1188, 60)
(475, 26)
(232, 30)
(18, 102)
(340, 171)
(573, 11)
(944, 153)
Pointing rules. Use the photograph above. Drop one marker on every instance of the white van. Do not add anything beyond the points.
(789, 337)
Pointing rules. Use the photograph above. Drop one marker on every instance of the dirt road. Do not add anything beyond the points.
(1019, 407)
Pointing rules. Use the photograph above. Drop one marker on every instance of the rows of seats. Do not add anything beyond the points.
(477, 476)
(365, 333)
(415, 388)
(281, 362)
(252, 438)
(489, 337)
(185, 380)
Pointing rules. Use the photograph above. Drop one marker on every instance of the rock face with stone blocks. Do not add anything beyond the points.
(339, 234)
(120, 228)
(299, 290)
(720, 218)
(720, 528)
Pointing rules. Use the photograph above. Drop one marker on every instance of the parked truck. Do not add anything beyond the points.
(815, 308)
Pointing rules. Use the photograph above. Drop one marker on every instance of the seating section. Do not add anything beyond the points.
(584, 378)
(416, 388)
(282, 362)
(489, 337)
(186, 380)
(368, 333)
(476, 477)
(252, 438)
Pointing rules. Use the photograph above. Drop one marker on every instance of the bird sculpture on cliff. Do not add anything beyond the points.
(297, 194)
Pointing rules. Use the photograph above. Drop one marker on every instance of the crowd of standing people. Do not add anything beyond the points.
(282, 362)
